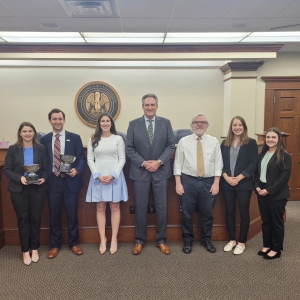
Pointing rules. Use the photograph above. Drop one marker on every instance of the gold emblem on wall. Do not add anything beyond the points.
(95, 98)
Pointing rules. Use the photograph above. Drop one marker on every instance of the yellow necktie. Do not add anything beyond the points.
(200, 160)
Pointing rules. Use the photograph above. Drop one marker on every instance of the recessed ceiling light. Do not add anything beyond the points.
(238, 26)
(48, 25)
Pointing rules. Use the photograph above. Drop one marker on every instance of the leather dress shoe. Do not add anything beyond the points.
(187, 248)
(137, 249)
(209, 246)
(262, 253)
(277, 255)
(53, 252)
(164, 248)
(77, 250)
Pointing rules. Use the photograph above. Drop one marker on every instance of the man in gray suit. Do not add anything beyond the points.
(150, 144)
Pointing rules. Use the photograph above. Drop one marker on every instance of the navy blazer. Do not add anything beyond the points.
(13, 168)
(73, 146)
(277, 177)
(138, 148)
(246, 164)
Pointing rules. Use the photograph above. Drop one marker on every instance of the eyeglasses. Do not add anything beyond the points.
(200, 122)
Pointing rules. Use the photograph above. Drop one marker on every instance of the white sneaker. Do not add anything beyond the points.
(239, 249)
(228, 247)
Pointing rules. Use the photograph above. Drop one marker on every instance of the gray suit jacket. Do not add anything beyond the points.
(138, 148)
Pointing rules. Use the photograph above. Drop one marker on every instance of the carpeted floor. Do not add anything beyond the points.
(152, 275)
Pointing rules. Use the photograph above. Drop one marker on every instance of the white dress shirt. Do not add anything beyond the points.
(186, 156)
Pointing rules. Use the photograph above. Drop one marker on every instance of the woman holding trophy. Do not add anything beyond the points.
(106, 159)
(25, 168)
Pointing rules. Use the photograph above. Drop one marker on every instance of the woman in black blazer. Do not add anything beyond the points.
(239, 154)
(27, 199)
(271, 186)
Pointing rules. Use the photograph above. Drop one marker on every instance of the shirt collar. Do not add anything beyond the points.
(196, 136)
(62, 133)
(146, 119)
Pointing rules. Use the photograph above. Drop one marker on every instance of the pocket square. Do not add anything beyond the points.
(68, 141)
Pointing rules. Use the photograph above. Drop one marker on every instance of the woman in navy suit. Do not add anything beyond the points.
(271, 186)
(239, 154)
(27, 199)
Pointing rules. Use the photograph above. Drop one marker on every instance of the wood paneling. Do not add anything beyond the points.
(88, 232)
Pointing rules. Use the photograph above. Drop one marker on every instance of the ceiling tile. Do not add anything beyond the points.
(146, 9)
(192, 25)
(97, 24)
(292, 11)
(257, 8)
(34, 24)
(145, 25)
(32, 8)
(211, 9)
(4, 12)
(277, 22)
(13, 24)
(258, 24)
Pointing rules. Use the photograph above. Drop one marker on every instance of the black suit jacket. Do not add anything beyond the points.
(13, 168)
(277, 177)
(73, 146)
(246, 164)
(138, 148)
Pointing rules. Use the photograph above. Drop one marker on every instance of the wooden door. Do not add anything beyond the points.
(286, 116)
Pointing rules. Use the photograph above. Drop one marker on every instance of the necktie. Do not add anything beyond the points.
(150, 131)
(57, 160)
(200, 159)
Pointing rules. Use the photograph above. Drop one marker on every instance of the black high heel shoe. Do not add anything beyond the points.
(277, 255)
(262, 253)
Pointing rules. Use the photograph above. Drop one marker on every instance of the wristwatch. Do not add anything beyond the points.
(160, 162)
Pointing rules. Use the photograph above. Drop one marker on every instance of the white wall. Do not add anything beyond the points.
(28, 94)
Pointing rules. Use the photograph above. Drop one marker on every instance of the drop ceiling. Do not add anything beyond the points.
(168, 21)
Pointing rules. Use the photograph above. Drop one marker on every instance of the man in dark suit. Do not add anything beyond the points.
(150, 144)
(63, 186)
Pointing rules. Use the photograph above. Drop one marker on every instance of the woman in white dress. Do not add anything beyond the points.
(106, 159)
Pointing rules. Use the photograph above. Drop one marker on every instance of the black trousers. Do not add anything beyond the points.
(243, 199)
(28, 206)
(57, 193)
(197, 191)
(272, 212)
(141, 195)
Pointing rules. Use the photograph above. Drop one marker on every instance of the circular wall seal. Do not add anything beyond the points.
(95, 98)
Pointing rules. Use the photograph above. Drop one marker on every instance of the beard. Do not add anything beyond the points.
(199, 131)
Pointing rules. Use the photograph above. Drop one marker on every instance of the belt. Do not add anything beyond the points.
(200, 178)
(60, 175)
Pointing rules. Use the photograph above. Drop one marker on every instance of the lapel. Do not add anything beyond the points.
(241, 153)
(272, 160)
(21, 156)
(35, 154)
(157, 129)
(144, 130)
(68, 142)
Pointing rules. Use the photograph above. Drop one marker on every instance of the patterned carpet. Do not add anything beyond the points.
(152, 275)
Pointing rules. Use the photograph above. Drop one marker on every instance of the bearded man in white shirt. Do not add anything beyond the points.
(197, 168)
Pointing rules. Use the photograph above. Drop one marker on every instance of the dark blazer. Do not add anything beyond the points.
(277, 177)
(246, 164)
(138, 148)
(73, 146)
(13, 168)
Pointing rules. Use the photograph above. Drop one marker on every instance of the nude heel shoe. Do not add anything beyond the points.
(35, 256)
(26, 259)
(102, 248)
(113, 247)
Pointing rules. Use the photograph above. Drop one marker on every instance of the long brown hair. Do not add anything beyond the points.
(280, 146)
(96, 137)
(230, 135)
(19, 141)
